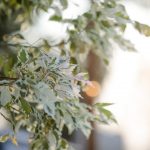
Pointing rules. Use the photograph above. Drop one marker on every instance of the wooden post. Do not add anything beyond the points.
(96, 70)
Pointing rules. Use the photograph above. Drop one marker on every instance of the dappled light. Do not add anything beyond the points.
(92, 89)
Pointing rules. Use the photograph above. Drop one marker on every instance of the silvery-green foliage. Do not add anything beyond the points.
(45, 97)
(5, 96)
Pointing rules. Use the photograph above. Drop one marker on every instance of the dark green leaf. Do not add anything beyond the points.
(56, 18)
(23, 56)
(26, 106)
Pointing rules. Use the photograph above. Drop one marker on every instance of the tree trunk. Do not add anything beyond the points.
(96, 70)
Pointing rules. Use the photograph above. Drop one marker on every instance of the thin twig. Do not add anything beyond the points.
(16, 109)
(28, 45)
(8, 78)
(5, 117)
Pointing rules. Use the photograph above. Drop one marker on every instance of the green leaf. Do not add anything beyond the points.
(52, 140)
(23, 56)
(64, 144)
(103, 104)
(46, 97)
(4, 138)
(108, 114)
(50, 2)
(86, 129)
(142, 28)
(64, 3)
(14, 140)
(69, 122)
(106, 61)
(25, 105)
(5, 96)
(105, 114)
(56, 18)
(105, 23)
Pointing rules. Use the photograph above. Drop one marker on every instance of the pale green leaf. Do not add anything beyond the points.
(46, 97)
(4, 138)
(14, 140)
(105, 113)
(5, 95)
(64, 3)
(142, 28)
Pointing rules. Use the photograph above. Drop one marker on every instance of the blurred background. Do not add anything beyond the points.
(126, 83)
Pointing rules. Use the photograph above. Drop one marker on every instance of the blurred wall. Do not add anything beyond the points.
(144, 3)
(128, 84)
